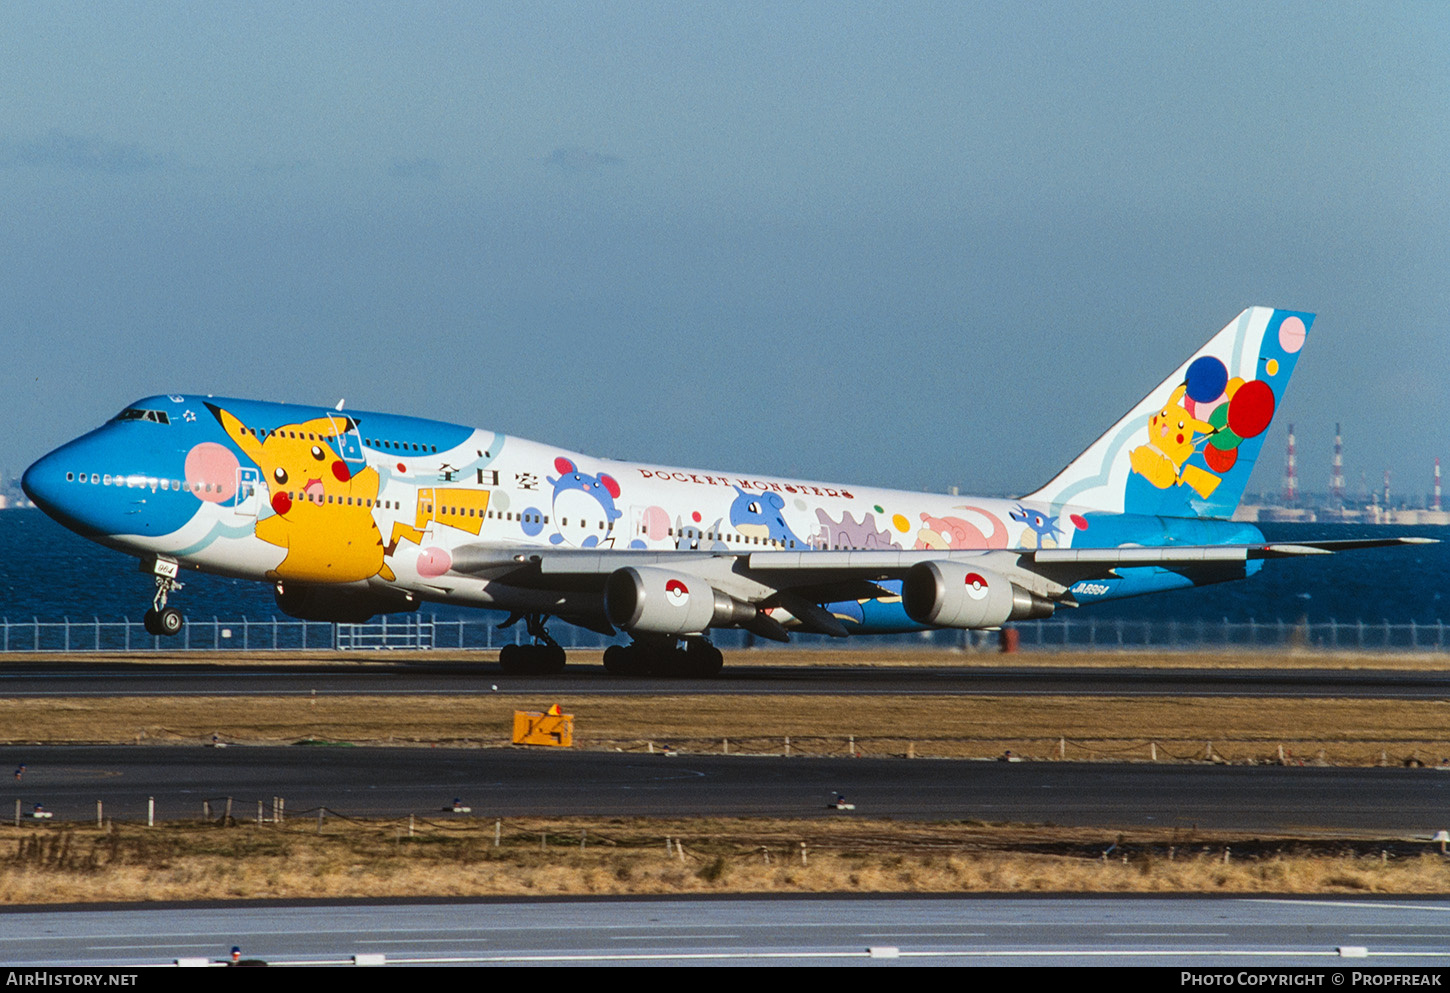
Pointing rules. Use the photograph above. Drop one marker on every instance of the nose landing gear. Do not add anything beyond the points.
(161, 619)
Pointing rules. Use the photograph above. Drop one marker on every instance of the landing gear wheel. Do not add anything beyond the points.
(166, 622)
(169, 622)
(532, 660)
(625, 660)
(513, 659)
(550, 659)
(697, 660)
(701, 660)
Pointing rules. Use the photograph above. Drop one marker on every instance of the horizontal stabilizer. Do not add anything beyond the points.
(1277, 550)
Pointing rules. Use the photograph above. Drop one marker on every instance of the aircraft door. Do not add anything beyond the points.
(647, 525)
(349, 443)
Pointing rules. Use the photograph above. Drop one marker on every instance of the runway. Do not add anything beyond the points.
(82, 676)
(1329, 936)
(502, 782)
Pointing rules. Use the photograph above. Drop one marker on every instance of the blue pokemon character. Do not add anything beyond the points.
(584, 510)
(1043, 528)
(757, 515)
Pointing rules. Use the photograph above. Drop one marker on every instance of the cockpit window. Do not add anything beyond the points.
(137, 414)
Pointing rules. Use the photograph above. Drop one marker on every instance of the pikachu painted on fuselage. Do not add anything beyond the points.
(322, 511)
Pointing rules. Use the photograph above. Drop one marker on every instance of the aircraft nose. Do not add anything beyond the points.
(39, 483)
(45, 484)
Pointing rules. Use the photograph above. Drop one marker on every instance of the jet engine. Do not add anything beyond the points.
(657, 601)
(343, 606)
(952, 594)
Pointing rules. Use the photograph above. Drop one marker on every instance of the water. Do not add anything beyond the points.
(50, 573)
(1373, 585)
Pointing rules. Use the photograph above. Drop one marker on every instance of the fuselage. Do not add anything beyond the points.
(308, 497)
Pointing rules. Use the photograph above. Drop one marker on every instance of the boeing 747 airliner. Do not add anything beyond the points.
(349, 515)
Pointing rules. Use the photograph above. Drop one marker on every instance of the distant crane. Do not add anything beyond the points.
(1336, 473)
(1291, 482)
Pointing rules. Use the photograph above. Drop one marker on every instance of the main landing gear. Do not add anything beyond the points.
(545, 657)
(161, 619)
(659, 656)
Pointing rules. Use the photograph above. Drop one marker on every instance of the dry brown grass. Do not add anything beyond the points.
(619, 856)
(1332, 731)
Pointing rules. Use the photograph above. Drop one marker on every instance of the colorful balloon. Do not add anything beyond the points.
(1223, 439)
(1251, 409)
(1220, 460)
(1206, 378)
(1292, 334)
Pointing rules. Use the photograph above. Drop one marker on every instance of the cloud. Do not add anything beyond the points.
(61, 151)
(422, 168)
(575, 159)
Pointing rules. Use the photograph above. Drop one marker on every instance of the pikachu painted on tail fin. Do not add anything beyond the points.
(1188, 448)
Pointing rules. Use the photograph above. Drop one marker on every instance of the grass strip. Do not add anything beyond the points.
(335, 858)
(1234, 729)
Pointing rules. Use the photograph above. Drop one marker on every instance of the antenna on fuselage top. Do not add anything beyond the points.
(341, 402)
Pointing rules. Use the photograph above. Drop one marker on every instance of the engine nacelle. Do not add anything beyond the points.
(951, 594)
(657, 601)
(343, 606)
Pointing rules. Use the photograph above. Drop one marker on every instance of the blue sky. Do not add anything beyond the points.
(907, 244)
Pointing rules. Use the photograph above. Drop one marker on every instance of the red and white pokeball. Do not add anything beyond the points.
(976, 585)
(677, 591)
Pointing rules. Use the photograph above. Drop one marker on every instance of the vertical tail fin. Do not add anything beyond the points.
(1188, 448)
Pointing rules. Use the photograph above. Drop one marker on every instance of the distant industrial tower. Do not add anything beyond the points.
(1387, 489)
(1336, 475)
(1291, 484)
(1435, 493)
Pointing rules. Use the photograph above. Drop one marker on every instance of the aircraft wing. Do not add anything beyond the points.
(801, 581)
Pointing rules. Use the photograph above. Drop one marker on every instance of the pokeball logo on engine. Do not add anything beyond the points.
(677, 591)
(976, 585)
